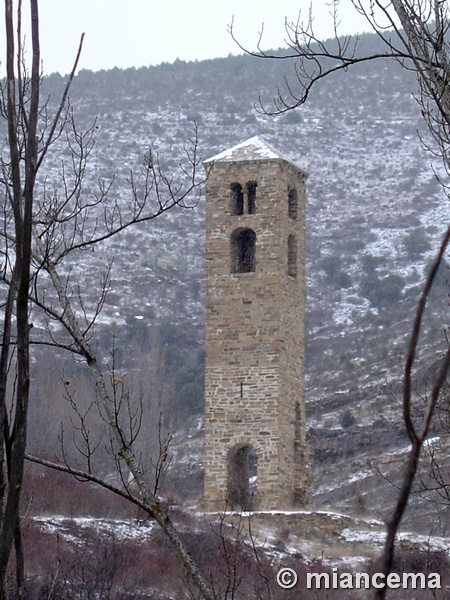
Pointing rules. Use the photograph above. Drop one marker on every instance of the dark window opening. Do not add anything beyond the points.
(243, 243)
(293, 203)
(292, 256)
(242, 477)
(237, 199)
(251, 196)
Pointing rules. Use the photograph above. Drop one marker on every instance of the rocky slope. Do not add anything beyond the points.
(375, 215)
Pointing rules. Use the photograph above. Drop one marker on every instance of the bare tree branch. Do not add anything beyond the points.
(416, 34)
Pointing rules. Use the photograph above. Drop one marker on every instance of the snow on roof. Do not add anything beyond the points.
(254, 148)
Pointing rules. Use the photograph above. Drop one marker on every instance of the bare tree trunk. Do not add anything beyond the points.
(415, 34)
(123, 447)
(20, 561)
(22, 203)
(22, 111)
(416, 435)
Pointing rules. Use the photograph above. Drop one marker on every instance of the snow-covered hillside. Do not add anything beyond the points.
(375, 215)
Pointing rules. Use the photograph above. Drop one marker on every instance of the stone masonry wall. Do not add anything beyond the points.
(254, 392)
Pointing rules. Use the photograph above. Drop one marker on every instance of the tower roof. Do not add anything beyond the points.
(254, 148)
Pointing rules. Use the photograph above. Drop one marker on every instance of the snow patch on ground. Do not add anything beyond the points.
(72, 529)
(426, 543)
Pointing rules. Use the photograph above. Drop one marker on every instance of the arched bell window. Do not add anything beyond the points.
(243, 250)
(251, 197)
(292, 203)
(292, 256)
(236, 199)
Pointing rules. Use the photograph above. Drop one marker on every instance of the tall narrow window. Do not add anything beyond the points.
(251, 196)
(242, 247)
(292, 256)
(236, 199)
(292, 203)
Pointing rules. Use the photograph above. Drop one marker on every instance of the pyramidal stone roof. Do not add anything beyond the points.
(254, 148)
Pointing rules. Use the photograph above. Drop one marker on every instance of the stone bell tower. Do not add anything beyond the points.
(255, 450)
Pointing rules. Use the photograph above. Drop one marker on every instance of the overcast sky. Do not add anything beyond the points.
(126, 33)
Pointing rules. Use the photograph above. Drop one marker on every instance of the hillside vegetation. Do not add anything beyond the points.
(375, 214)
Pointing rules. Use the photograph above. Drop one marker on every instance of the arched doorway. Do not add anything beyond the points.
(242, 477)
